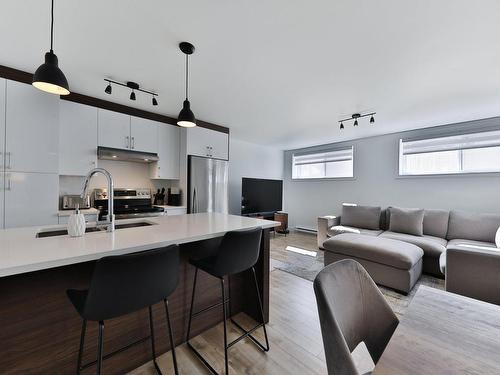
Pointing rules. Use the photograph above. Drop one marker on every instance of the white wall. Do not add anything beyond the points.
(250, 160)
(376, 182)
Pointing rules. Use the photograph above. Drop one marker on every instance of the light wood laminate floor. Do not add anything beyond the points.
(293, 330)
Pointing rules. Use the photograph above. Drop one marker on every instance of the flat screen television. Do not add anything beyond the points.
(261, 196)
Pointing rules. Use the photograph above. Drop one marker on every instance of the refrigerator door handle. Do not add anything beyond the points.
(195, 203)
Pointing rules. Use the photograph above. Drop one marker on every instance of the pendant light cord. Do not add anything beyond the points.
(52, 27)
(187, 74)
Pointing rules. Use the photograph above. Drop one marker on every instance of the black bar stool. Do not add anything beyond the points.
(124, 284)
(238, 252)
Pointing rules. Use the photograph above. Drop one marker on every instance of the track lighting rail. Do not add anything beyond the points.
(131, 85)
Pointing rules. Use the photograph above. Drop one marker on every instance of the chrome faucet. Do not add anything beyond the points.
(111, 216)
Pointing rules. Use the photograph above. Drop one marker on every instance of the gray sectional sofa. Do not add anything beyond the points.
(456, 245)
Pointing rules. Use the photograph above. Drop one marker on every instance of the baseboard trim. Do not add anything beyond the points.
(305, 229)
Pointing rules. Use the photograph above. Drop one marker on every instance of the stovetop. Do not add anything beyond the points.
(128, 203)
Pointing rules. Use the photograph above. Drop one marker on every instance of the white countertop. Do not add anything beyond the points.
(85, 211)
(21, 251)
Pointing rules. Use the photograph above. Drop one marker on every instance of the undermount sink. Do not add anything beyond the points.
(64, 232)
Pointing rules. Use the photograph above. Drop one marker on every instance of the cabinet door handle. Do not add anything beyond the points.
(133, 143)
(9, 187)
(8, 164)
(127, 142)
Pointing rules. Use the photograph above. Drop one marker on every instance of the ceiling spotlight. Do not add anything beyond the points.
(132, 95)
(341, 125)
(108, 89)
(355, 122)
(155, 102)
(372, 120)
(186, 117)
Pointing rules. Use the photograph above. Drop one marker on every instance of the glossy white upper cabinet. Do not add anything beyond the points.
(143, 135)
(114, 129)
(168, 140)
(77, 138)
(32, 121)
(206, 142)
(31, 198)
(2, 137)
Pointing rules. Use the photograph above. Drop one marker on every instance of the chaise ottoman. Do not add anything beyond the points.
(391, 263)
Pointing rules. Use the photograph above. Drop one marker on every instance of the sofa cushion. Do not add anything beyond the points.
(339, 229)
(477, 227)
(436, 222)
(367, 217)
(385, 251)
(432, 246)
(406, 220)
(460, 244)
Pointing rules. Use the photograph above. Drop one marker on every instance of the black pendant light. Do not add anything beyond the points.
(108, 89)
(132, 95)
(48, 77)
(186, 117)
(341, 125)
(154, 101)
(372, 120)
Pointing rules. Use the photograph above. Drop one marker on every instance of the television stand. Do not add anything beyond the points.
(281, 217)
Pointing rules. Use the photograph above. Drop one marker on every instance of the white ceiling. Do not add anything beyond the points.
(276, 72)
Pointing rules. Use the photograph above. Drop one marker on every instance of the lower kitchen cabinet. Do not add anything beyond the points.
(30, 199)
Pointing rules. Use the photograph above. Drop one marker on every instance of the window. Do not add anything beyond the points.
(466, 153)
(324, 164)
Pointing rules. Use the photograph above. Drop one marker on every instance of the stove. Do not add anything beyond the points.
(128, 203)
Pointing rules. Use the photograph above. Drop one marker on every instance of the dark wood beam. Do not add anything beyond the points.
(25, 77)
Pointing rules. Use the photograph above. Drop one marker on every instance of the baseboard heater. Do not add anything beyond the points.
(305, 229)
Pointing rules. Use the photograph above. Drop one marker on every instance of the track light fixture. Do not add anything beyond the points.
(356, 116)
(48, 77)
(131, 85)
(186, 117)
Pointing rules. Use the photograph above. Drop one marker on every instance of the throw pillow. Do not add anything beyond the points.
(407, 220)
(366, 217)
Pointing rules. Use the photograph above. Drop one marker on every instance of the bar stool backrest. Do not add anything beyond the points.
(126, 283)
(239, 251)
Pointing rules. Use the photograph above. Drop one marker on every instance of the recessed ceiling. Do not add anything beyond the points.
(276, 72)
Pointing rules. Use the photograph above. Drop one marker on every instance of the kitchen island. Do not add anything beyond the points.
(40, 329)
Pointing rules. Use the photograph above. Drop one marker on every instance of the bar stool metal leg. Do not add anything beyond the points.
(153, 347)
(266, 349)
(249, 332)
(188, 336)
(226, 362)
(82, 343)
(100, 348)
(170, 333)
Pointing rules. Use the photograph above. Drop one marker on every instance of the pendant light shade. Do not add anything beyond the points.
(186, 117)
(48, 77)
(108, 89)
(155, 102)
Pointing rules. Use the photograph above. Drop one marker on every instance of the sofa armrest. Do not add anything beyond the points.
(325, 222)
(474, 273)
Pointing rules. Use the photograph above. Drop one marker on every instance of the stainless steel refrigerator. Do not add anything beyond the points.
(207, 185)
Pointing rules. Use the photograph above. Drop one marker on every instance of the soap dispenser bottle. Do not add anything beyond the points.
(76, 223)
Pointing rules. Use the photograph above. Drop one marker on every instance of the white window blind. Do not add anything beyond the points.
(464, 153)
(325, 164)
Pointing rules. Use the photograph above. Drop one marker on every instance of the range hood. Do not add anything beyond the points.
(108, 153)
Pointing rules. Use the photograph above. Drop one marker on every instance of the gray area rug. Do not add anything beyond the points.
(307, 266)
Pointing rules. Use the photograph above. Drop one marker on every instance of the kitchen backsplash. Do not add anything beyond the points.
(125, 175)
